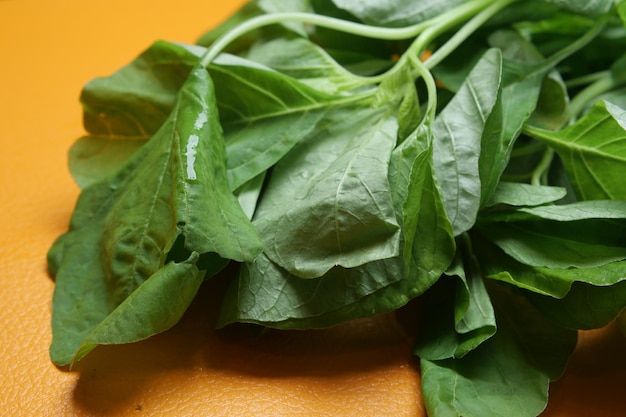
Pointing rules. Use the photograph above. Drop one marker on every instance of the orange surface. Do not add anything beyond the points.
(49, 50)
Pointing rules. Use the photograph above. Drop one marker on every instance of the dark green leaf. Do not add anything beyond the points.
(581, 235)
(508, 375)
(459, 314)
(585, 306)
(546, 281)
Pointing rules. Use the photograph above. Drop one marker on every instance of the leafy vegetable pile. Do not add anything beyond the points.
(351, 156)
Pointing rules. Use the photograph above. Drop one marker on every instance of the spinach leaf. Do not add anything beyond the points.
(120, 124)
(593, 152)
(591, 8)
(458, 131)
(520, 194)
(507, 375)
(582, 235)
(266, 294)
(307, 62)
(122, 111)
(454, 326)
(349, 157)
(496, 264)
(395, 12)
(125, 228)
(585, 306)
(327, 202)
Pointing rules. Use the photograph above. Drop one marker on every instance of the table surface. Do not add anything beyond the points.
(49, 51)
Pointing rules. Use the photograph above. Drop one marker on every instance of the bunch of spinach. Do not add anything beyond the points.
(351, 156)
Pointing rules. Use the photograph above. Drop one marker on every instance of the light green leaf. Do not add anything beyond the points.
(591, 8)
(458, 132)
(519, 194)
(395, 12)
(154, 209)
(308, 63)
(593, 151)
(327, 202)
(155, 306)
(266, 294)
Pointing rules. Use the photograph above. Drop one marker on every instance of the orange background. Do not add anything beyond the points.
(48, 51)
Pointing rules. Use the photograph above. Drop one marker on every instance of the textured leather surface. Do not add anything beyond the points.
(49, 50)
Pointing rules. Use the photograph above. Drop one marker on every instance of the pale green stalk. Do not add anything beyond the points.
(314, 19)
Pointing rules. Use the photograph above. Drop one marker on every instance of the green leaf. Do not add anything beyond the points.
(523, 72)
(496, 264)
(358, 54)
(593, 151)
(248, 194)
(92, 158)
(155, 306)
(585, 306)
(267, 102)
(125, 228)
(266, 294)
(551, 112)
(327, 202)
(519, 194)
(459, 314)
(508, 375)
(621, 9)
(591, 8)
(458, 132)
(395, 12)
(581, 235)
(308, 63)
(270, 114)
(115, 115)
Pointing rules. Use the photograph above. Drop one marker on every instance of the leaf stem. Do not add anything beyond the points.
(586, 96)
(540, 173)
(431, 87)
(480, 17)
(578, 43)
(314, 19)
(586, 79)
